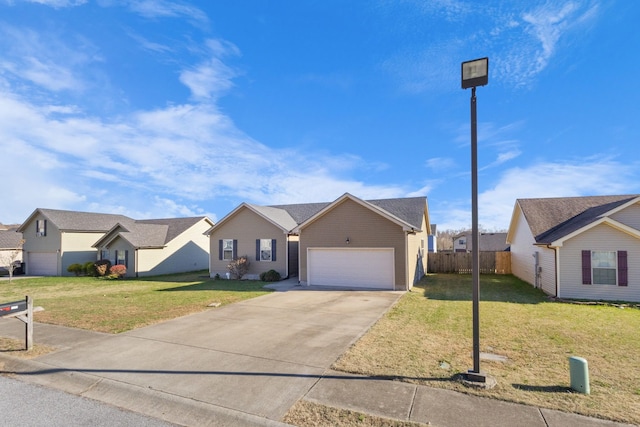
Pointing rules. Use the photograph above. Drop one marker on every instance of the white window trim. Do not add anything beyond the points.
(226, 250)
(263, 250)
(615, 269)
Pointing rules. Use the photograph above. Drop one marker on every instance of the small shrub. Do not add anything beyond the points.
(118, 270)
(239, 267)
(76, 269)
(102, 267)
(90, 268)
(270, 276)
(217, 277)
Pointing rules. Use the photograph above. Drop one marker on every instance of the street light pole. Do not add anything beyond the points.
(475, 252)
(475, 73)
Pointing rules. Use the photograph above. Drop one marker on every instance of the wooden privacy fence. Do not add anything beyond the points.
(460, 262)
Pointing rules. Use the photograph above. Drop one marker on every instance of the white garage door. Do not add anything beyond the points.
(358, 267)
(42, 264)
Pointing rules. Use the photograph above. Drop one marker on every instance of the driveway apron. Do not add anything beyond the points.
(256, 357)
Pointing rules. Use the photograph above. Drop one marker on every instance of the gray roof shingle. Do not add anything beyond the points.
(10, 239)
(552, 218)
(84, 221)
(408, 209)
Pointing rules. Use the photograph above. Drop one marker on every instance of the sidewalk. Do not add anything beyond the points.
(157, 371)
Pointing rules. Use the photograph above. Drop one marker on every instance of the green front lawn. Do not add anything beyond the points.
(427, 338)
(120, 305)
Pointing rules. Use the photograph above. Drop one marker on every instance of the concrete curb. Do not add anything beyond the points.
(146, 401)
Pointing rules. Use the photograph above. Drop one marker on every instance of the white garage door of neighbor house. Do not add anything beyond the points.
(358, 267)
(42, 264)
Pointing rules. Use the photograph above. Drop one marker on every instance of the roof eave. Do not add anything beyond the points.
(606, 220)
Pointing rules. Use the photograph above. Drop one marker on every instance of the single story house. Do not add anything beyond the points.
(345, 243)
(157, 246)
(578, 247)
(55, 239)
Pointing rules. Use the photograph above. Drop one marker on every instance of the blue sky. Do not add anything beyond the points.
(159, 108)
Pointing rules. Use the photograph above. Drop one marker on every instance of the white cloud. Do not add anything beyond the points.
(579, 177)
(59, 3)
(211, 78)
(167, 9)
(440, 164)
(45, 60)
(586, 177)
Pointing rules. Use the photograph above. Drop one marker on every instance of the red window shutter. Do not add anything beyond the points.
(623, 276)
(586, 267)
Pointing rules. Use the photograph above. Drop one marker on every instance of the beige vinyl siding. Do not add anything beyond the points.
(547, 261)
(414, 242)
(629, 216)
(246, 226)
(522, 250)
(76, 248)
(48, 243)
(602, 238)
(187, 252)
(364, 228)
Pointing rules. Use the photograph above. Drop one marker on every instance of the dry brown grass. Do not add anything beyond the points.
(16, 348)
(427, 339)
(309, 414)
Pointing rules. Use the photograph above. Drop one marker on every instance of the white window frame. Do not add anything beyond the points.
(227, 249)
(598, 264)
(41, 227)
(121, 258)
(266, 251)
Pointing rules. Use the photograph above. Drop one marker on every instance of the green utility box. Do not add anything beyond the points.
(579, 373)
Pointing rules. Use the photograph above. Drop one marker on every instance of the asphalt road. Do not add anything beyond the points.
(28, 405)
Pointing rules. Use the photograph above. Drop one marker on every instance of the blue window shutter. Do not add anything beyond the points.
(45, 227)
(273, 249)
(126, 259)
(623, 276)
(220, 249)
(235, 249)
(257, 249)
(586, 267)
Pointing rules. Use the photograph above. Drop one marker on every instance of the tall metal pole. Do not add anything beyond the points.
(475, 252)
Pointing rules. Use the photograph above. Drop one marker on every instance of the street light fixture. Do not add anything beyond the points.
(475, 73)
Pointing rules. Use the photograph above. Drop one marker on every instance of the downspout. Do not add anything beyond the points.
(286, 253)
(557, 251)
(408, 284)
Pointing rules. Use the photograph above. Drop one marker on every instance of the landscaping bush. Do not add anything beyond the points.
(270, 276)
(117, 271)
(90, 268)
(77, 269)
(102, 267)
(239, 267)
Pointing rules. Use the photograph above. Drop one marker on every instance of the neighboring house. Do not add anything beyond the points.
(55, 239)
(578, 247)
(10, 247)
(346, 243)
(489, 242)
(157, 246)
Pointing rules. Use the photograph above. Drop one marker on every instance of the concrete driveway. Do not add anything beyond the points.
(244, 363)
